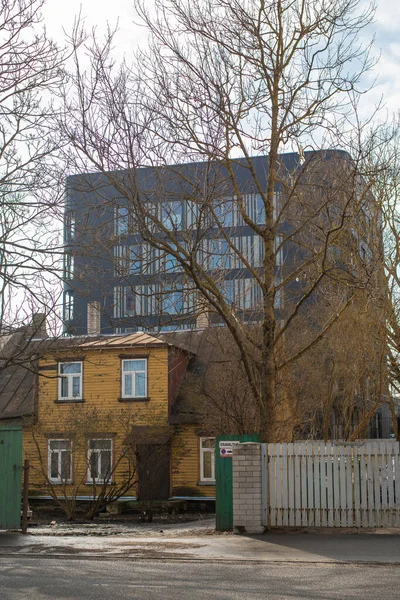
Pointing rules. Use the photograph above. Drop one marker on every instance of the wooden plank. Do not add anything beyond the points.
(396, 515)
(304, 499)
(297, 484)
(363, 487)
(370, 485)
(336, 485)
(310, 486)
(271, 483)
(317, 483)
(356, 486)
(278, 484)
(349, 450)
(285, 474)
(329, 482)
(384, 483)
(377, 475)
(391, 449)
(342, 483)
(323, 490)
(291, 483)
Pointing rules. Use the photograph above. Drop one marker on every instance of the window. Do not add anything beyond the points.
(172, 215)
(172, 299)
(70, 381)
(130, 304)
(224, 213)
(218, 254)
(124, 222)
(243, 293)
(134, 378)
(68, 305)
(60, 461)
(192, 215)
(259, 216)
(135, 259)
(169, 262)
(207, 459)
(69, 266)
(99, 461)
(139, 300)
(127, 260)
(69, 225)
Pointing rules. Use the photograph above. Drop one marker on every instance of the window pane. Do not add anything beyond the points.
(64, 387)
(65, 464)
(76, 387)
(140, 382)
(54, 465)
(130, 304)
(69, 229)
(171, 215)
(128, 385)
(93, 467)
(100, 444)
(207, 465)
(69, 266)
(60, 445)
(134, 365)
(172, 301)
(225, 255)
(135, 259)
(70, 367)
(208, 443)
(122, 218)
(68, 305)
(260, 210)
(230, 291)
(105, 466)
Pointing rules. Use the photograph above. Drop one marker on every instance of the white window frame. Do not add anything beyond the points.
(69, 377)
(59, 479)
(122, 221)
(69, 265)
(202, 451)
(91, 451)
(69, 225)
(68, 305)
(123, 373)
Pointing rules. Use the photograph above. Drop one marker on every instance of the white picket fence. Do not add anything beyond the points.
(313, 484)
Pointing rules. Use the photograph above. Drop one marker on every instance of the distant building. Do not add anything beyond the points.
(138, 286)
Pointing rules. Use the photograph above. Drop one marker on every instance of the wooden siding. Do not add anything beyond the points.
(185, 464)
(100, 415)
(178, 362)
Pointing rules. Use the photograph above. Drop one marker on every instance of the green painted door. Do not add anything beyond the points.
(10, 476)
(223, 478)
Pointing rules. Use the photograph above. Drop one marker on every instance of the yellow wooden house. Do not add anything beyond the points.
(103, 420)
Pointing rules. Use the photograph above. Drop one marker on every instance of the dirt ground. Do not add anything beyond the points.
(50, 520)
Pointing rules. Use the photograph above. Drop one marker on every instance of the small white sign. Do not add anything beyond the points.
(226, 448)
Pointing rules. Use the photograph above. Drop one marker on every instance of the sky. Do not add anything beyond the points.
(96, 13)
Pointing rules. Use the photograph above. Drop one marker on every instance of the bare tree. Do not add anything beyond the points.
(221, 82)
(86, 457)
(386, 191)
(30, 246)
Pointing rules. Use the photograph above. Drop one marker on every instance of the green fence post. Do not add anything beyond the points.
(10, 476)
(223, 477)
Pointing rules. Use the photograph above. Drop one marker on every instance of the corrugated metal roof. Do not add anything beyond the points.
(134, 339)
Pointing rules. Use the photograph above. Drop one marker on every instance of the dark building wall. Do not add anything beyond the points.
(90, 214)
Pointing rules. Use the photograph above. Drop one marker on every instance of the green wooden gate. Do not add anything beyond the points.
(10, 476)
(223, 478)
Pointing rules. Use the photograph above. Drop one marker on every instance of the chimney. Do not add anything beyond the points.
(203, 314)
(93, 318)
(37, 328)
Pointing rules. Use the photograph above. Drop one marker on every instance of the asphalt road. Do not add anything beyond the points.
(123, 579)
